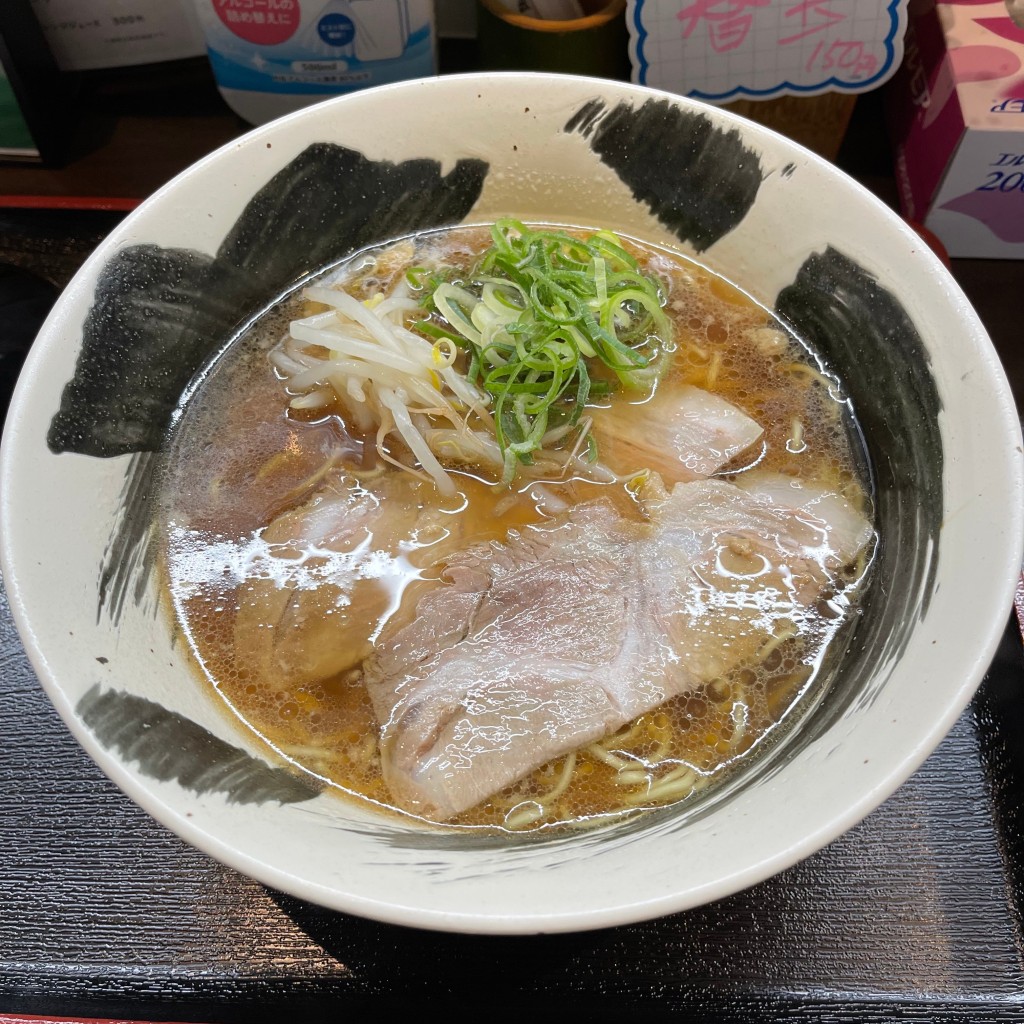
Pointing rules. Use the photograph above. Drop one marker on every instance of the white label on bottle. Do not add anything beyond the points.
(317, 47)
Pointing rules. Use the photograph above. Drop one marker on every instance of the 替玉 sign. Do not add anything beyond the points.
(721, 50)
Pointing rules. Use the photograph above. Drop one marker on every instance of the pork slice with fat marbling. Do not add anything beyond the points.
(527, 650)
(553, 649)
(686, 434)
(321, 570)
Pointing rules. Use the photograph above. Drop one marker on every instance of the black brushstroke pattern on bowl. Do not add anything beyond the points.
(159, 315)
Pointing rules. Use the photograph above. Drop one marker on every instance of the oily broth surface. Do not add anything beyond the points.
(239, 457)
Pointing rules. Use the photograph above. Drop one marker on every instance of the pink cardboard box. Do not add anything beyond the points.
(957, 113)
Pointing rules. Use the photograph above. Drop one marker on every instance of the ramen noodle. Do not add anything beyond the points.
(516, 527)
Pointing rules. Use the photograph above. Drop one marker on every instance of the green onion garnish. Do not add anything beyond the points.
(540, 314)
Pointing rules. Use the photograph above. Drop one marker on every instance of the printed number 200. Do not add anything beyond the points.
(998, 181)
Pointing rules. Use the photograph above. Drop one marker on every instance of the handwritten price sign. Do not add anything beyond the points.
(720, 50)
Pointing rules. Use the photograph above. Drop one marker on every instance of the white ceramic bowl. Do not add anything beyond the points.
(238, 227)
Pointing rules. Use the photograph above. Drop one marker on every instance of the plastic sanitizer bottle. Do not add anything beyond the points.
(271, 57)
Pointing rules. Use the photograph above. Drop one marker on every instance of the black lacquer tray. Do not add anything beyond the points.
(914, 915)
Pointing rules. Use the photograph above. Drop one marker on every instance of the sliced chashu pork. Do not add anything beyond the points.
(327, 568)
(530, 649)
(334, 561)
(686, 434)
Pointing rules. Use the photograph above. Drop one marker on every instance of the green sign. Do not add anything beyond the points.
(15, 137)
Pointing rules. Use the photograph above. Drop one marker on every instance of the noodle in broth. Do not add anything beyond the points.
(251, 447)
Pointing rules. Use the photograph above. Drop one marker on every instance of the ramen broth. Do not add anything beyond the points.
(242, 456)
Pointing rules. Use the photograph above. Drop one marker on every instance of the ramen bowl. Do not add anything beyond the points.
(115, 360)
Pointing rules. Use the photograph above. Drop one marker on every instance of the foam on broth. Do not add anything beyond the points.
(239, 457)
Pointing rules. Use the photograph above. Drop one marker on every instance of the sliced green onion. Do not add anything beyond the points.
(600, 281)
(452, 302)
(538, 305)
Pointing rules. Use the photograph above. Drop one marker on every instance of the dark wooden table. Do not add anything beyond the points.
(914, 915)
